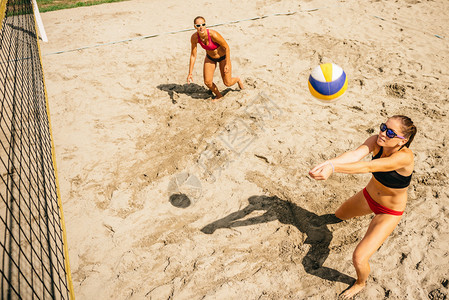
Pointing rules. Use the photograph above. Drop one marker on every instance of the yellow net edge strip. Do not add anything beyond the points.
(58, 193)
(2, 11)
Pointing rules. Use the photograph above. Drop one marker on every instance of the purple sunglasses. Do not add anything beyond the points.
(390, 133)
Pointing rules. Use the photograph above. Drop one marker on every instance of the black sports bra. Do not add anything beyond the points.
(391, 179)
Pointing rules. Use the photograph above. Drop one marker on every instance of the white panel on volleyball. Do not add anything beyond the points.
(317, 74)
(336, 72)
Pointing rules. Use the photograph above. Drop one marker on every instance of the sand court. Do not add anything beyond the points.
(126, 125)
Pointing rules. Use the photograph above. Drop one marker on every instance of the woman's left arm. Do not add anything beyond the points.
(217, 38)
(396, 161)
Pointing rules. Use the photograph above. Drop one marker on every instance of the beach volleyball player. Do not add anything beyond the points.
(217, 51)
(385, 194)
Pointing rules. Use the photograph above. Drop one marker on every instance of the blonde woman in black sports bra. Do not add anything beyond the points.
(385, 194)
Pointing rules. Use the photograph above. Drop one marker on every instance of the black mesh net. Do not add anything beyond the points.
(32, 264)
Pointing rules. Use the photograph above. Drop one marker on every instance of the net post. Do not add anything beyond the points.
(39, 22)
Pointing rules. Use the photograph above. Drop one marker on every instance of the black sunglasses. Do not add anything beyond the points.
(390, 133)
(199, 25)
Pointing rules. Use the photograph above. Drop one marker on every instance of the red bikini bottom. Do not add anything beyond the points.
(379, 209)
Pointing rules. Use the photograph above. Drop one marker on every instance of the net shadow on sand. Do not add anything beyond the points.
(314, 226)
(192, 90)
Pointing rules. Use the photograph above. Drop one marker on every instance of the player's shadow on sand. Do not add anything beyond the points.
(192, 90)
(314, 226)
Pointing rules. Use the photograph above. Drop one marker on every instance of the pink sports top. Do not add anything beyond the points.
(210, 45)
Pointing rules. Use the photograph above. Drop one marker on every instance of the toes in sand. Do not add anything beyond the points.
(352, 291)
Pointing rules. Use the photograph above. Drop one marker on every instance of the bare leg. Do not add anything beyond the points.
(380, 228)
(355, 206)
(208, 73)
(228, 80)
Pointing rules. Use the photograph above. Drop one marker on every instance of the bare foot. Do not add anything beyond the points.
(353, 290)
(240, 84)
(217, 98)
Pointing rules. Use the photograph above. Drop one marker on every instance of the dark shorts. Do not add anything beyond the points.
(216, 59)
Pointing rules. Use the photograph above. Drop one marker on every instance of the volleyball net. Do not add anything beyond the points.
(33, 249)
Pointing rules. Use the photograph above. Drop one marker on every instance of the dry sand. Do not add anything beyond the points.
(129, 132)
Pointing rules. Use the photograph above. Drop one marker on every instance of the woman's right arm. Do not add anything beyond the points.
(326, 168)
(193, 42)
(355, 155)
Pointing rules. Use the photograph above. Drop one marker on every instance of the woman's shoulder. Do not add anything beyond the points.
(214, 34)
(408, 159)
(406, 151)
(405, 155)
(371, 142)
(194, 37)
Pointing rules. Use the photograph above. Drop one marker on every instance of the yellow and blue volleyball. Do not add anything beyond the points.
(327, 82)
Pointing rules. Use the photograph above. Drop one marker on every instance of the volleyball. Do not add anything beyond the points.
(327, 82)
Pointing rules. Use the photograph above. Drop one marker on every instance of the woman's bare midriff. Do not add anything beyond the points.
(217, 53)
(395, 199)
